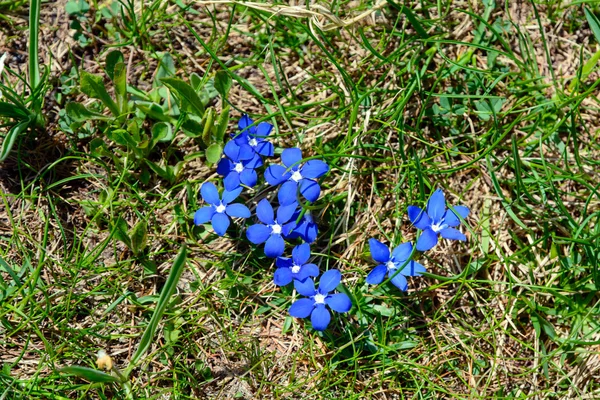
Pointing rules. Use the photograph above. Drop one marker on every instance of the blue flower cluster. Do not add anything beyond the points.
(243, 155)
(435, 221)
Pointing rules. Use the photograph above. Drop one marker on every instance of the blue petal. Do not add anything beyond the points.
(285, 212)
(413, 268)
(301, 254)
(229, 196)
(339, 302)
(224, 166)
(283, 262)
(241, 138)
(237, 211)
(377, 275)
(248, 177)
(379, 251)
(265, 149)
(418, 217)
(258, 233)
(400, 282)
(311, 233)
(306, 271)
(329, 281)
(244, 122)
(282, 276)
(263, 130)
(232, 181)
(451, 233)
(287, 228)
(305, 288)
(204, 215)
(274, 246)
(302, 308)
(402, 252)
(310, 190)
(220, 223)
(314, 169)
(246, 152)
(450, 217)
(255, 162)
(287, 192)
(232, 150)
(320, 317)
(436, 206)
(275, 174)
(291, 157)
(427, 240)
(210, 194)
(264, 212)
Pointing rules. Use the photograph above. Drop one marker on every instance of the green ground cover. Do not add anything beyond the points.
(108, 137)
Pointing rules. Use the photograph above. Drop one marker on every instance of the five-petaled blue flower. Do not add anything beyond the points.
(254, 136)
(238, 166)
(390, 264)
(314, 304)
(296, 267)
(219, 211)
(271, 230)
(437, 220)
(306, 229)
(296, 176)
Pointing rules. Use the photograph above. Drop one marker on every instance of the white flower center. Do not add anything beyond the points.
(439, 226)
(296, 176)
(319, 298)
(295, 269)
(276, 229)
(252, 142)
(390, 265)
(239, 167)
(220, 208)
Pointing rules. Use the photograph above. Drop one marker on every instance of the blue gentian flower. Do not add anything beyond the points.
(296, 176)
(390, 264)
(238, 167)
(437, 220)
(314, 304)
(219, 210)
(306, 229)
(271, 230)
(253, 137)
(295, 267)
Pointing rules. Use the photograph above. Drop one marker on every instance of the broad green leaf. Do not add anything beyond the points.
(214, 152)
(161, 132)
(152, 110)
(223, 83)
(93, 86)
(11, 137)
(222, 124)
(594, 22)
(186, 94)
(120, 228)
(195, 81)
(161, 306)
(120, 81)
(139, 237)
(89, 374)
(79, 113)
(208, 122)
(77, 7)
(166, 68)
(192, 126)
(165, 173)
(112, 59)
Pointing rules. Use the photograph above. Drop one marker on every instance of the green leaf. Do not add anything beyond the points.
(214, 152)
(77, 7)
(120, 228)
(93, 86)
(112, 59)
(11, 137)
(120, 81)
(186, 94)
(593, 21)
(222, 124)
(152, 110)
(192, 126)
(89, 374)
(195, 81)
(223, 83)
(139, 237)
(166, 68)
(165, 297)
(79, 113)
(165, 173)
(12, 111)
(208, 126)
(161, 132)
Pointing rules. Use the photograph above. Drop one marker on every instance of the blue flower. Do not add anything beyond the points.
(306, 229)
(219, 211)
(390, 264)
(296, 267)
(296, 176)
(314, 304)
(437, 220)
(238, 166)
(253, 137)
(271, 230)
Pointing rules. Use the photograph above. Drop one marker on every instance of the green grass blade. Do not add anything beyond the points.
(34, 20)
(89, 374)
(594, 23)
(11, 137)
(161, 306)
